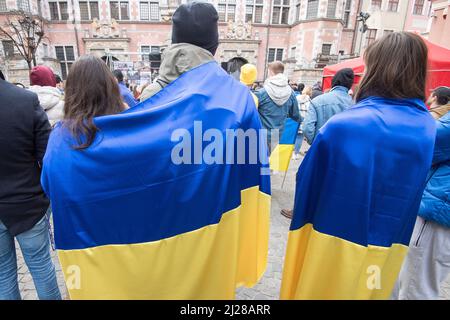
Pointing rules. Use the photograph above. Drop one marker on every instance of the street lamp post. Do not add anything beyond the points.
(30, 40)
(362, 17)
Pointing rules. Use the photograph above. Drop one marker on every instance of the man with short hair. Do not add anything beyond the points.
(126, 93)
(277, 102)
(439, 102)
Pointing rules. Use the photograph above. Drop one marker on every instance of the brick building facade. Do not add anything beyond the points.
(305, 34)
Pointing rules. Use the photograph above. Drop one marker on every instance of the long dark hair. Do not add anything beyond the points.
(91, 90)
(396, 67)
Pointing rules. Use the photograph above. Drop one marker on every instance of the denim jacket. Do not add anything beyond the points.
(323, 108)
(435, 203)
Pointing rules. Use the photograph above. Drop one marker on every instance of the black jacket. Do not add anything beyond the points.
(24, 131)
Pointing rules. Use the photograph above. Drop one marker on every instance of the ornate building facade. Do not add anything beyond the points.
(440, 22)
(305, 34)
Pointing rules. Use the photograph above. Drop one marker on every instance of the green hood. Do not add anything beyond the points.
(176, 60)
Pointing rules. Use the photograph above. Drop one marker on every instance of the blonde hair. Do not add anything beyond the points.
(308, 91)
(276, 67)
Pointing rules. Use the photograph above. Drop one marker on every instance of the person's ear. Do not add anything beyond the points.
(431, 99)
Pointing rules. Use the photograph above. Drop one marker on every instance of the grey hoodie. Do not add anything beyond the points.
(278, 89)
(176, 60)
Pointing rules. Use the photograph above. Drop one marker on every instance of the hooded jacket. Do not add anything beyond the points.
(176, 60)
(435, 204)
(51, 101)
(278, 89)
(277, 102)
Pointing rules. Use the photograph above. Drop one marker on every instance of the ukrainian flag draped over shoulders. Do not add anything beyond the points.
(135, 224)
(357, 196)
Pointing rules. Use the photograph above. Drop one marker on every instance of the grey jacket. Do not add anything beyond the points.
(322, 108)
(176, 60)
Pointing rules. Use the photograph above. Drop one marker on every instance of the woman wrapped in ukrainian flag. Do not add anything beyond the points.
(359, 187)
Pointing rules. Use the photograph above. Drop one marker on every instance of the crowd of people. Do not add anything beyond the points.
(376, 174)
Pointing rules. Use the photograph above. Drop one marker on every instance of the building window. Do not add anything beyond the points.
(275, 54)
(119, 10)
(54, 12)
(313, 9)
(155, 58)
(66, 57)
(393, 5)
(293, 49)
(146, 51)
(153, 54)
(45, 50)
(59, 10)
(89, 10)
(418, 7)
(331, 9)
(385, 32)
(227, 10)
(376, 4)
(371, 35)
(348, 6)
(297, 10)
(23, 5)
(326, 49)
(254, 11)
(8, 48)
(149, 10)
(280, 13)
(150, 49)
(3, 7)
(39, 7)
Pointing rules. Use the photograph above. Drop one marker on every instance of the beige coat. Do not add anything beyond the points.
(440, 111)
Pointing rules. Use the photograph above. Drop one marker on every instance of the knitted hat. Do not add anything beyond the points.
(344, 78)
(42, 76)
(248, 74)
(196, 23)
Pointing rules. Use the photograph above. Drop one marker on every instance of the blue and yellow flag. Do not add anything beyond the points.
(357, 196)
(282, 153)
(149, 211)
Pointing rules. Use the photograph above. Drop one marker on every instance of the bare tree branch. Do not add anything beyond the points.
(26, 32)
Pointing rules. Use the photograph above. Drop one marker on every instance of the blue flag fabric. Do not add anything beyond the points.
(134, 224)
(357, 196)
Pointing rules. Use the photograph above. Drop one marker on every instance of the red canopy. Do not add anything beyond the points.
(438, 68)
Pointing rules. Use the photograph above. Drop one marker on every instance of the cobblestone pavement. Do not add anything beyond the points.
(269, 286)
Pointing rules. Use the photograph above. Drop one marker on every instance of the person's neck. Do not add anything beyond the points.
(436, 106)
(341, 88)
